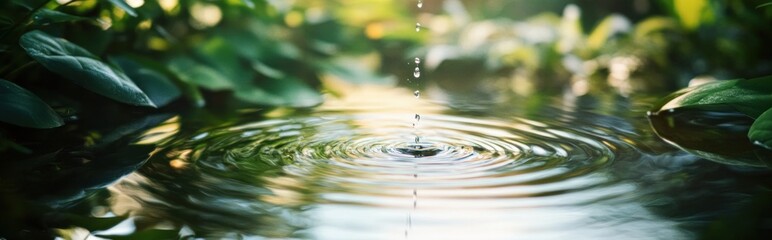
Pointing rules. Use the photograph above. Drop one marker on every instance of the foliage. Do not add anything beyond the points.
(22, 108)
(720, 120)
(259, 52)
(658, 51)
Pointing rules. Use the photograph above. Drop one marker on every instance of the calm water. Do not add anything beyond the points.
(503, 168)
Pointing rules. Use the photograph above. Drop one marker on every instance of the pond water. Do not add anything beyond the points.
(505, 168)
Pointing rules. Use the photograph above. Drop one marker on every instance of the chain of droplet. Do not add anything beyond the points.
(417, 94)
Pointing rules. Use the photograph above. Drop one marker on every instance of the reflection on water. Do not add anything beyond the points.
(351, 169)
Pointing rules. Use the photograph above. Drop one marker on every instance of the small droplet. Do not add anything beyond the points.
(417, 72)
(417, 139)
(417, 27)
(417, 60)
(417, 94)
(417, 117)
(420, 3)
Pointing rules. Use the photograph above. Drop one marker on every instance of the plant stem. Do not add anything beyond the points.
(24, 19)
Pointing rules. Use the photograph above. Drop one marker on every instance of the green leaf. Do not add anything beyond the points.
(224, 58)
(123, 5)
(23, 108)
(156, 85)
(761, 130)
(283, 92)
(751, 97)
(606, 29)
(80, 66)
(47, 16)
(191, 71)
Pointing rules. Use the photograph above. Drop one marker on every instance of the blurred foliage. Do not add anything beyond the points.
(664, 46)
(71, 71)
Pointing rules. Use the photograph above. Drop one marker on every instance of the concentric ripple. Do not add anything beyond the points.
(378, 159)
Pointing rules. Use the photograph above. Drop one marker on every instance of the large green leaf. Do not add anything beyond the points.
(80, 66)
(156, 85)
(761, 130)
(47, 16)
(191, 71)
(751, 97)
(125, 6)
(21, 107)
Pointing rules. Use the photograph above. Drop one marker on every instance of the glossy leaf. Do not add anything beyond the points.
(125, 6)
(80, 66)
(751, 97)
(21, 107)
(761, 130)
(191, 71)
(48, 16)
(156, 85)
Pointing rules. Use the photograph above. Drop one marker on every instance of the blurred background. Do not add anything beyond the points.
(191, 66)
(285, 53)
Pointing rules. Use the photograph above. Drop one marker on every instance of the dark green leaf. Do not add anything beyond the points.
(751, 97)
(123, 5)
(21, 107)
(285, 92)
(48, 16)
(157, 86)
(191, 71)
(80, 66)
(761, 130)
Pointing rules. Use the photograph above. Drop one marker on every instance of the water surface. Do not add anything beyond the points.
(507, 168)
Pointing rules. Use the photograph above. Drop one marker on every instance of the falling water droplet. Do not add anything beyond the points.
(417, 60)
(417, 94)
(420, 3)
(417, 117)
(417, 27)
(417, 72)
(417, 139)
